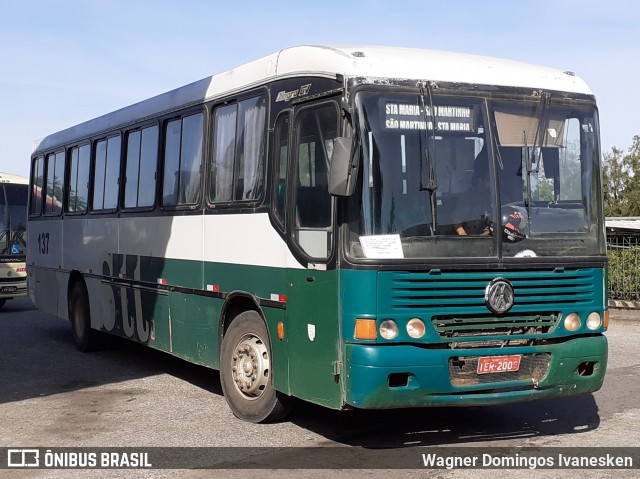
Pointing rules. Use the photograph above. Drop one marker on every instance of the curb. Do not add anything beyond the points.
(623, 304)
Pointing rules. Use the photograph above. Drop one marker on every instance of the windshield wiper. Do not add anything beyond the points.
(432, 184)
(538, 143)
(540, 136)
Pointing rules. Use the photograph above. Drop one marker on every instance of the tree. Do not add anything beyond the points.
(621, 181)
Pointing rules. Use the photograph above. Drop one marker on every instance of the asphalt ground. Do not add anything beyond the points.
(624, 315)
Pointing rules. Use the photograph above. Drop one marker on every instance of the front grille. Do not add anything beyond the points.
(516, 330)
(14, 279)
(453, 304)
(461, 293)
(463, 370)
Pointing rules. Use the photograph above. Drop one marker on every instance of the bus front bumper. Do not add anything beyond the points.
(398, 376)
(13, 290)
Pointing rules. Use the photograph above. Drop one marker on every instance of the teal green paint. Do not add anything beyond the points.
(194, 328)
(279, 349)
(358, 292)
(186, 325)
(405, 295)
(402, 295)
(320, 360)
(369, 369)
(260, 281)
(187, 274)
(158, 304)
(312, 302)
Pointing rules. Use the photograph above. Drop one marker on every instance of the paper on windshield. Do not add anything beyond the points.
(382, 246)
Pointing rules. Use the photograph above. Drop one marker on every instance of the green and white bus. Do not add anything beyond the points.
(14, 193)
(359, 227)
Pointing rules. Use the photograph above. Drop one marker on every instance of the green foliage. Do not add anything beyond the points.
(621, 181)
(621, 188)
(624, 273)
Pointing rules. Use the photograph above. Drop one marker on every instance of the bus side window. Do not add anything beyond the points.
(316, 129)
(55, 181)
(37, 182)
(281, 157)
(141, 163)
(107, 171)
(79, 179)
(221, 180)
(237, 166)
(182, 159)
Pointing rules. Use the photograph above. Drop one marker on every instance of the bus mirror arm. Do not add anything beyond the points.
(343, 169)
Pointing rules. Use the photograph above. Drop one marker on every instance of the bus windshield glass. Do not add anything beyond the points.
(450, 176)
(13, 219)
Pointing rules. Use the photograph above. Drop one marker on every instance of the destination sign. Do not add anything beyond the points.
(406, 116)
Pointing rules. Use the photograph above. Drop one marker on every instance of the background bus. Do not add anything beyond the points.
(361, 227)
(14, 193)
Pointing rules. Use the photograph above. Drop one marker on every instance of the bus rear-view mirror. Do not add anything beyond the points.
(342, 174)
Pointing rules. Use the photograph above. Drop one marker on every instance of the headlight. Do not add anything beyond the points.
(572, 322)
(415, 328)
(388, 329)
(594, 321)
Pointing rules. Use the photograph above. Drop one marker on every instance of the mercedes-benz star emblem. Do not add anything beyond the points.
(498, 296)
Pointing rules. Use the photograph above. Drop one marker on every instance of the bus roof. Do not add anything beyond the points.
(372, 62)
(11, 178)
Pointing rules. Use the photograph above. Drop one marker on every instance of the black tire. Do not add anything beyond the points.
(246, 374)
(2, 301)
(85, 338)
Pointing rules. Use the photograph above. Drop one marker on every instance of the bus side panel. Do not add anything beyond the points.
(143, 244)
(314, 336)
(193, 332)
(76, 257)
(261, 288)
(44, 248)
(179, 240)
(245, 260)
(128, 302)
(92, 250)
(150, 236)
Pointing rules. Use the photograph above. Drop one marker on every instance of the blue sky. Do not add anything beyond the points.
(66, 61)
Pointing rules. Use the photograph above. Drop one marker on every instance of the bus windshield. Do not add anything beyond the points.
(13, 219)
(451, 176)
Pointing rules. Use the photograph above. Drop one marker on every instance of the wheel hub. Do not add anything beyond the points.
(250, 366)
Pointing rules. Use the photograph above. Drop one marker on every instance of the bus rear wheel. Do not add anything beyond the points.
(246, 372)
(85, 338)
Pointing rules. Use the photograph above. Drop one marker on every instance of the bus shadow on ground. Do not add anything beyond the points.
(441, 426)
(38, 358)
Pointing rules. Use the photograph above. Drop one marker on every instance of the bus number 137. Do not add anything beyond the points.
(43, 243)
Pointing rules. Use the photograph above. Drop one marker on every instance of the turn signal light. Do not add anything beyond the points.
(366, 329)
(280, 330)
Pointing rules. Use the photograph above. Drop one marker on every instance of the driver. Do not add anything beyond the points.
(473, 210)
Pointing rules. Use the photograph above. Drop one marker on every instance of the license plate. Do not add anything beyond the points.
(498, 364)
(8, 289)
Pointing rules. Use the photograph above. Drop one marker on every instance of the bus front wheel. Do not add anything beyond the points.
(246, 371)
(85, 338)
